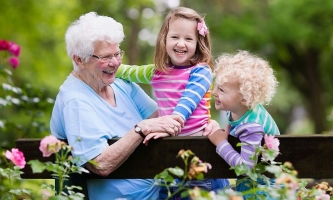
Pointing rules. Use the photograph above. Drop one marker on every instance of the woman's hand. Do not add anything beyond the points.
(171, 124)
(219, 135)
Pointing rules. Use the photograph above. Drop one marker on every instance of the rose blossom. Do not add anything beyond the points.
(16, 157)
(272, 142)
(14, 62)
(14, 49)
(49, 145)
(4, 45)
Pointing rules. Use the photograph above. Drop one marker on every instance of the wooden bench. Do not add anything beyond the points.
(311, 155)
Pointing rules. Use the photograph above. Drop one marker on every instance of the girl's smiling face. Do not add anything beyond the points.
(181, 41)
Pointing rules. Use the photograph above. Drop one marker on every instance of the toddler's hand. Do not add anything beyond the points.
(219, 135)
(211, 127)
(154, 136)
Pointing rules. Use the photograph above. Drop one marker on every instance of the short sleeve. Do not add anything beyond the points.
(83, 129)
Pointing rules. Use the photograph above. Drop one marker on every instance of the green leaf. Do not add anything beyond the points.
(169, 179)
(47, 186)
(260, 168)
(253, 176)
(273, 169)
(162, 175)
(184, 194)
(241, 169)
(51, 167)
(66, 164)
(200, 176)
(76, 197)
(266, 180)
(7, 196)
(74, 187)
(26, 191)
(37, 166)
(176, 171)
(15, 191)
(58, 198)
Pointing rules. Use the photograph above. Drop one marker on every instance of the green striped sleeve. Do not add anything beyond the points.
(136, 73)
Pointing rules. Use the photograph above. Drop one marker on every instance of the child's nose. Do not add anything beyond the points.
(181, 43)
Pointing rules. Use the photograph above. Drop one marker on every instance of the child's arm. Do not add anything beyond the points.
(136, 73)
(197, 86)
(250, 135)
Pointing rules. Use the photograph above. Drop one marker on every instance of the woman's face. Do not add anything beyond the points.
(103, 64)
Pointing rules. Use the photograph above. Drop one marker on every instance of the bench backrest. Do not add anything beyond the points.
(311, 155)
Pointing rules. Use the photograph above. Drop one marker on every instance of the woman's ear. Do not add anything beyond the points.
(78, 61)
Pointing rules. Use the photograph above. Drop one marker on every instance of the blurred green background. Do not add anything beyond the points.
(296, 37)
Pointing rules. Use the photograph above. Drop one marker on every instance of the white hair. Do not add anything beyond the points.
(88, 29)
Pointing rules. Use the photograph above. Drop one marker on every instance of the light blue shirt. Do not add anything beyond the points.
(87, 121)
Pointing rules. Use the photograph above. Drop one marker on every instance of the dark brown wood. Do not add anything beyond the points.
(311, 155)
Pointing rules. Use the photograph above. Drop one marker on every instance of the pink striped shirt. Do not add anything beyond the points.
(185, 92)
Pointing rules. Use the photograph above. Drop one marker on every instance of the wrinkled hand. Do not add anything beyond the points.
(165, 126)
(211, 127)
(171, 124)
(219, 135)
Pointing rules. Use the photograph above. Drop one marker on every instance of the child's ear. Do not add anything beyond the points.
(243, 102)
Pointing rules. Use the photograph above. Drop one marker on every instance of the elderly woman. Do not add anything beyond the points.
(93, 106)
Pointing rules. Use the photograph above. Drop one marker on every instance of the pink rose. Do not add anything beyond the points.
(14, 49)
(4, 45)
(14, 62)
(272, 142)
(16, 157)
(49, 145)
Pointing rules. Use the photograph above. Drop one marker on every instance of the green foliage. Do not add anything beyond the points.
(60, 169)
(22, 108)
(193, 169)
(10, 182)
(11, 186)
(296, 38)
(258, 180)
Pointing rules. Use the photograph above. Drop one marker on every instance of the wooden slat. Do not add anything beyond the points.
(311, 155)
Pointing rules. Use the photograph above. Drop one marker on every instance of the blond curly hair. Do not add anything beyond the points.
(257, 83)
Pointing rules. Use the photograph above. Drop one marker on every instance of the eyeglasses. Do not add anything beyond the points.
(108, 58)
